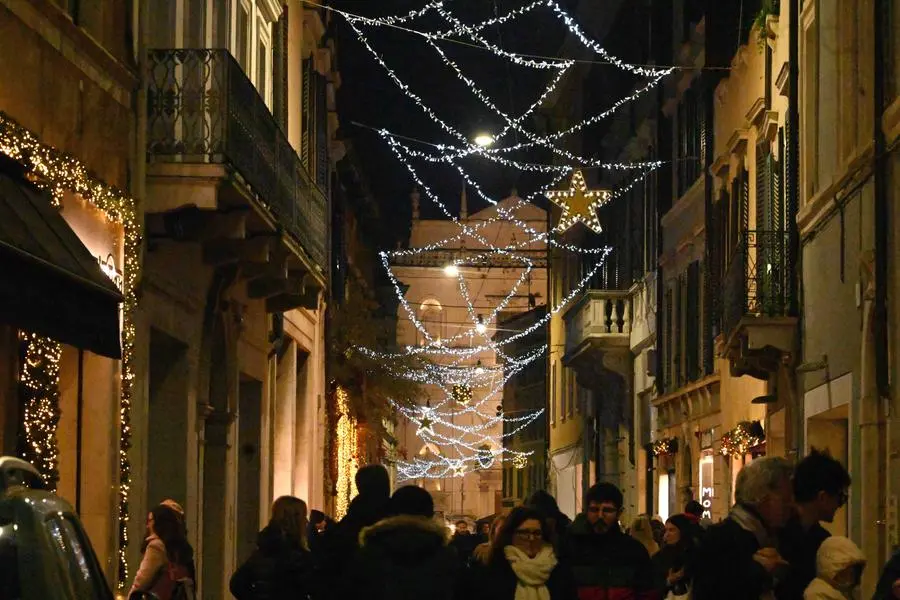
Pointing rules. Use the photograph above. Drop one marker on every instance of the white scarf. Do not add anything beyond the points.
(531, 573)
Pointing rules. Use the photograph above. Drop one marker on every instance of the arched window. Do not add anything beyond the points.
(431, 315)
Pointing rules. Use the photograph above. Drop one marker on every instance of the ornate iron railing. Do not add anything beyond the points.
(202, 108)
(757, 280)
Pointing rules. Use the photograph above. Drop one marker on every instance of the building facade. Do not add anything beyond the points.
(440, 307)
(69, 250)
(239, 122)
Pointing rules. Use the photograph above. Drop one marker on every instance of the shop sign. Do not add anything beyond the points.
(108, 266)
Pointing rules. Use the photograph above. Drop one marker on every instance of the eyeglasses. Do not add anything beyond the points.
(606, 510)
(529, 534)
(842, 497)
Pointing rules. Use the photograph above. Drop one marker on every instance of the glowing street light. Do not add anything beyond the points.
(484, 140)
(480, 327)
(451, 270)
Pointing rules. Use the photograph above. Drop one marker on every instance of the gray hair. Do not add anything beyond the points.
(760, 478)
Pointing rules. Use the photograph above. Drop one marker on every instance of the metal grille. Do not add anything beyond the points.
(757, 282)
(202, 108)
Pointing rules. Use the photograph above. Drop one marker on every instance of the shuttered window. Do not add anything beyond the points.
(307, 116)
(321, 129)
(693, 324)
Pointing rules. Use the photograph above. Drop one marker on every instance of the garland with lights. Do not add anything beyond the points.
(346, 448)
(39, 397)
(663, 447)
(59, 173)
(460, 364)
(744, 437)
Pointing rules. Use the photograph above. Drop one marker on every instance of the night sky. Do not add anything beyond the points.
(369, 97)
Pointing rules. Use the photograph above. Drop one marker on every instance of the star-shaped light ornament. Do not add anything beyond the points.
(425, 426)
(578, 203)
(458, 467)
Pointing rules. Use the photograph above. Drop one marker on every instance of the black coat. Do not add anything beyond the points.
(889, 575)
(498, 582)
(799, 547)
(277, 569)
(725, 567)
(405, 558)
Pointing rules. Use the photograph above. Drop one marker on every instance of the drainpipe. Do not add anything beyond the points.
(792, 183)
(881, 215)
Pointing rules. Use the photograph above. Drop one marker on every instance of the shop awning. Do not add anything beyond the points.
(49, 282)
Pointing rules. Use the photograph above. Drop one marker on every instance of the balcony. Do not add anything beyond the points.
(208, 125)
(756, 319)
(598, 334)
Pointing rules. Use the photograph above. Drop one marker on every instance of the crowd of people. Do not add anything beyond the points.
(771, 545)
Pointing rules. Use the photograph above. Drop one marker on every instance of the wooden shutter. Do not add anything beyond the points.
(321, 127)
(280, 70)
(307, 116)
(678, 336)
(693, 324)
(763, 195)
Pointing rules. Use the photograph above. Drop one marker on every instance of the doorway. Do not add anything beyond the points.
(828, 432)
(247, 511)
(168, 420)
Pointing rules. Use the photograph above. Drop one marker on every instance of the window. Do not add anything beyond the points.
(691, 132)
(431, 316)
(820, 102)
(242, 36)
(76, 558)
(263, 64)
(553, 398)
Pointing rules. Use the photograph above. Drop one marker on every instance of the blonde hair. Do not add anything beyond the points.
(642, 531)
(290, 514)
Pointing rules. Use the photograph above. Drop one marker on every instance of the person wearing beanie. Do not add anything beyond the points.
(406, 556)
(674, 562)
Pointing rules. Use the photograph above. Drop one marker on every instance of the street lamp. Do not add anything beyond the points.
(451, 270)
(480, 327)
(484, 140)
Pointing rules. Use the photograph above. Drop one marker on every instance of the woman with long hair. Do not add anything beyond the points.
(168, 558)
(673, 563)
(522, 563)
(642, 531)
(281, 565)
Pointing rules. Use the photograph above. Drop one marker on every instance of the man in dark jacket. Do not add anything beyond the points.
(738, 559)
(406, 556)
(820, 489)
(606, 563)
(340, 542)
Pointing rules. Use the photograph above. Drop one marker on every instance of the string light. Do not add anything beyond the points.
(455, 365)
(60, 173)
(579, 204)
(347, 466)
(739, 441)
(39, 380)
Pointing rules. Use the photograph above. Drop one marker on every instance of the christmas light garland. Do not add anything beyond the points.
(460, 367)
(60, 173)
(39, 386)
(664, 446)
(347, 463)
(740, 440)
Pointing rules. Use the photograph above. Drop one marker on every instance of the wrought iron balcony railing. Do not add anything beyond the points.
(757, 280)
(203, 109)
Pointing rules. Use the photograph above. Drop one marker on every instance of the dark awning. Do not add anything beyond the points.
(49, 282)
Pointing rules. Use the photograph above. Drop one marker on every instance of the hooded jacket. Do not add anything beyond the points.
(405, 558)
(277, 569)
(835, 554)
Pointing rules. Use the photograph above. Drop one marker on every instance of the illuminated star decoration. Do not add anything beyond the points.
(578, 203)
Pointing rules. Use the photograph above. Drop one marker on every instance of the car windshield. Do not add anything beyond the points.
(9, 565)
(75, 558)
